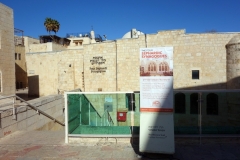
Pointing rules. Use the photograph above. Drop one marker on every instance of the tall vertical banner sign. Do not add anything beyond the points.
(156, 100)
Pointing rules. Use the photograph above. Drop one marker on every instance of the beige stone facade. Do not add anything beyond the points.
(7, 66)
(114, 65)
(28, 41)
(20, 67)
(20, 61)
(62, 71)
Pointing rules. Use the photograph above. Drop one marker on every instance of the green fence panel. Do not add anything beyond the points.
(73, 102)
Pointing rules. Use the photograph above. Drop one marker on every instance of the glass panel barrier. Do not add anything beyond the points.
(196, 112)
(104, 113)
(217, 112)
(74, 112)
(221, 113)
(186, 113)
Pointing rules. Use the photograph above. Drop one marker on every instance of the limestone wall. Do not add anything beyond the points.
(28, 41)
(58, 47)
(45, 47)
(55, 72)
(28, 119)
(7, 64)
(100, 67)
(129, 63)
(20, 67)
(70, 70)
(114, 65)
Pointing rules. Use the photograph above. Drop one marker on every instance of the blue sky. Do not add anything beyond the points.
(116, 17)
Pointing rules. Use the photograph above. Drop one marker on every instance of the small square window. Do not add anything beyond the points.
(195, 74)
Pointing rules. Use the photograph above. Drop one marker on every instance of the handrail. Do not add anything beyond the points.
(106, 111)
(35, 108)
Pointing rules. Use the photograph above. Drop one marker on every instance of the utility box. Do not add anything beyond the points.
(121, 116)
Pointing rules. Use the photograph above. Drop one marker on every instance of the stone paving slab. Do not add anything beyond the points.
(49, 145)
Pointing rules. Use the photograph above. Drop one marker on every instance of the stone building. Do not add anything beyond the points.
(20, 67)
(200, 62)
(114, 65)
(21, 47)
(7, 66)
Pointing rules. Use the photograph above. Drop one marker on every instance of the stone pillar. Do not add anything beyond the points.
(233, 80)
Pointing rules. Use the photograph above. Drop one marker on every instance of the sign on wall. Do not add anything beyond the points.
(156, 100)
(156, 79)
(99, 61)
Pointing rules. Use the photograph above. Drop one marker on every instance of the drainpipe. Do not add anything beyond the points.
(116, 77)
(83, 78)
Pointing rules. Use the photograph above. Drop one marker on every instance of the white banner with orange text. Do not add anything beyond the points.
(156, 100)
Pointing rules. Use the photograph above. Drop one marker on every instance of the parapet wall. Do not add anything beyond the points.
(28, 119)
(45, 47)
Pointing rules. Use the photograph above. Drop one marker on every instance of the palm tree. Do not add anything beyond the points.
(51, 25)
(48, 24)
(56, 26)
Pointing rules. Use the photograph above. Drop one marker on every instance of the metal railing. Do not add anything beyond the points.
(106, 119)
(30, 105)
(98, 38)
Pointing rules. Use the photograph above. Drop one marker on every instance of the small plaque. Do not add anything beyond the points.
(31, 71)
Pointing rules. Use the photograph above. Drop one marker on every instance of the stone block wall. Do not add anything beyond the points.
(7, 62)
(128, 66)
(28, 41)
(38, 48)
(45, 47)
(54, 72)
(20, 67)
(100, 67)
(70, 70)
(114, 65)
(29, 119)
(42, 83)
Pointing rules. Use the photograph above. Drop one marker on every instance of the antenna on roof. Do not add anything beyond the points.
(105, 36)
(92, 28)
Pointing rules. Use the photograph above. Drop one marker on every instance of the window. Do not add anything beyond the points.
(194, 103)
(78, 42)
(163, 66)
(19, 56)
(212, 104)
(130, 101)
(179, 103)
(0, 81)
(195, 74)
(15, 56)
(152, 67)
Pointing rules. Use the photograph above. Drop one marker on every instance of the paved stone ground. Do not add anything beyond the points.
(47, 145)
